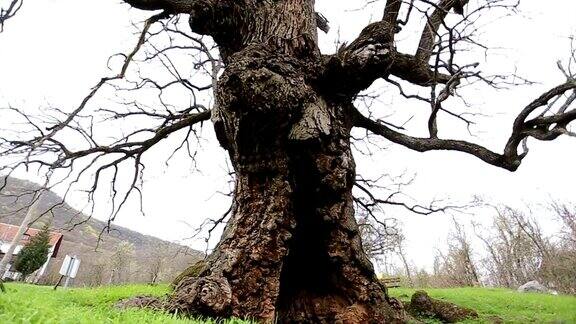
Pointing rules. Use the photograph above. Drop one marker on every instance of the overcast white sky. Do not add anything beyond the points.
(55, 50)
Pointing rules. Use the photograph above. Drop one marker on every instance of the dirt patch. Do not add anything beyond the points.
(495, 319)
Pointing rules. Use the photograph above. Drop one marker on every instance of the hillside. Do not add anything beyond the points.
(122, 255)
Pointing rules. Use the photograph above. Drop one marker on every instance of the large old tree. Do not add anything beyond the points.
(284, 112)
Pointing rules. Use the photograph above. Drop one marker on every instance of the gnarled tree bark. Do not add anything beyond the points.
(291, 252)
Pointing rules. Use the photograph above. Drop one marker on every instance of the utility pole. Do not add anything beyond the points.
(26, 222)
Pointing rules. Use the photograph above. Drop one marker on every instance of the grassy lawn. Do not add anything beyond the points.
(509, 305)
(35, 304)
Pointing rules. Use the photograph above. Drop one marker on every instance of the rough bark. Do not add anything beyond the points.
(291, 252)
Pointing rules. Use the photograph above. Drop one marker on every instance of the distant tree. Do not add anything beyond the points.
(96, 273)
(157, 264)
(34, 254)
(567, 215)
(382, 241)
(456, 268)
(378, 239)
(120, 262)
(519, 251)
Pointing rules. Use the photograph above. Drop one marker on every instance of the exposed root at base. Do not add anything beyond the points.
(208, 296)
(421, 305)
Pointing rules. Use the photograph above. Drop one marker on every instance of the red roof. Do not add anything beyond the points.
(8, 232)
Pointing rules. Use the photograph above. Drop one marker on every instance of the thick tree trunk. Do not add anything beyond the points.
(291, 252)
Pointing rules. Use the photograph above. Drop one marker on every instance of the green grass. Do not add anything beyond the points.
(35, 304)
(509, 305)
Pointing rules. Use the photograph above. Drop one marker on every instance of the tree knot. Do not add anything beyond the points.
(211, 296)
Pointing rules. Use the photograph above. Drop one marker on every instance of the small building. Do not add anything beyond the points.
(7, 234)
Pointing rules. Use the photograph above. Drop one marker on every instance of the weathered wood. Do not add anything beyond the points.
(291, 252)
(393, 282)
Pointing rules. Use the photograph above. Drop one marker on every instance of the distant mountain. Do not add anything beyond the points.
(122, 255)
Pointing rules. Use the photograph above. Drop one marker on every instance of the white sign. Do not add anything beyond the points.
(5, 246)
(70, 266)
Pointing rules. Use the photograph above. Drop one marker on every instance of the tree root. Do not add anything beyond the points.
(208, 296)
(421, 305)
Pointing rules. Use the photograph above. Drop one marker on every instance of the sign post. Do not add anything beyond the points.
(69, 269)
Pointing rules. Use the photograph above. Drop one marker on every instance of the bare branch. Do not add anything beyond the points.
(434, 21)
(322, 22)
(90, 158)
(171, 6)
(391, 12)
(542, 128)
(6, 13)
